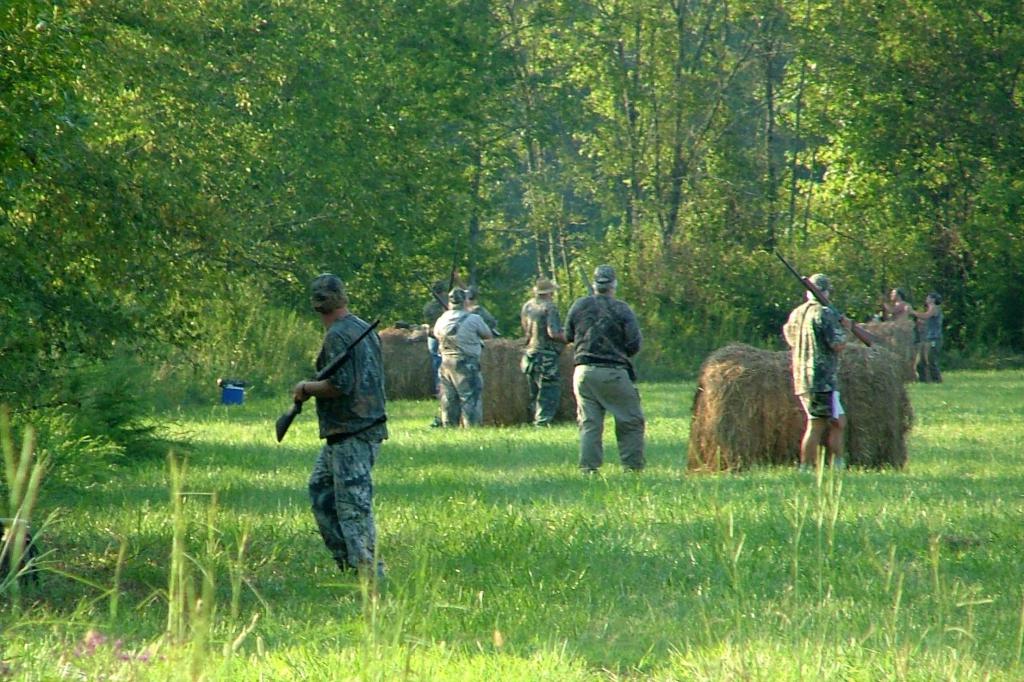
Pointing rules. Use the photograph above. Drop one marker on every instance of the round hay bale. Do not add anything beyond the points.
(898, 336)
(506, 395)
(506, 391)
(745, 413)
(407, 371)
(879, 414)
(567, 404)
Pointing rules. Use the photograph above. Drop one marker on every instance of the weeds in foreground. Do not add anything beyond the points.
(23, 475)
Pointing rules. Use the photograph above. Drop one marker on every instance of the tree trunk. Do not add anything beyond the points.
(474, 218)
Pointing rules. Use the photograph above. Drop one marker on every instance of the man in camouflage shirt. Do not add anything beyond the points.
(544, 341)
(350, 410)
(459, 334)
(473, 306)
(816, 335)
(606, 335)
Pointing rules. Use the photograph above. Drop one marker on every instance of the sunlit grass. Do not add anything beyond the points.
(506, 563)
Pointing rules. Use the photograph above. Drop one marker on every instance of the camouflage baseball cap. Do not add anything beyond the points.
(604, 274)
(456, 296)
(544, 286)
(821, 281)
(327, 293)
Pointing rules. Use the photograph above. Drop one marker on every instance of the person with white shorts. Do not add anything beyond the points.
(816, 334)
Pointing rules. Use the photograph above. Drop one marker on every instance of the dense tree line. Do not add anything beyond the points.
(163, 157)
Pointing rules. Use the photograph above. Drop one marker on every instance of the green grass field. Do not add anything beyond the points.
(506, 564)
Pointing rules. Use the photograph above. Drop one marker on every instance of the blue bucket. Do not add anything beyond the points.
(231, 395)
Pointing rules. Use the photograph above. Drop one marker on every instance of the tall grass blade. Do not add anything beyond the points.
(10, 460)
(1020, 634)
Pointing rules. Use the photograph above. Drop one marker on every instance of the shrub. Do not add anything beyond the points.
(92, 416)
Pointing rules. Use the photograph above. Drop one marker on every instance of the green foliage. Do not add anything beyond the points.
(93, 417)
(164, 159)
(268, 348)
(915, 149)
(22, 478)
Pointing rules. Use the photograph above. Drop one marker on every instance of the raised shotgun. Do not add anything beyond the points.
(866, 337)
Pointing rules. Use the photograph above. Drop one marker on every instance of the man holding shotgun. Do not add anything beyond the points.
(816, 333)
(350, 410)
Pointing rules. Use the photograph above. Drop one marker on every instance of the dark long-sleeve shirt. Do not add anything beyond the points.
(604, 330)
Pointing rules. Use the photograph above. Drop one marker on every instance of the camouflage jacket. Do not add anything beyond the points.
(538, 318)
(605, 332)
(360, 407)
(485, 315)
(813, 331)
(431, 311)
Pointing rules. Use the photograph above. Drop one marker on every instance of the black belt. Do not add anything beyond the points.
(336, 438)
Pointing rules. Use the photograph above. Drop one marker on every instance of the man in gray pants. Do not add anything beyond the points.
(606, 335)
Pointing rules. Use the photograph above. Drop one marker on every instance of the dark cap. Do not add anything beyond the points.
(604, 274)
(821, 281)
(327, 293)
(456, 296)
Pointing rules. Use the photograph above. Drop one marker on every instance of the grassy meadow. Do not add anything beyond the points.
(506, 564)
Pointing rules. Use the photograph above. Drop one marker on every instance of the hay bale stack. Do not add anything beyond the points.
(745, 413)
(506, 389)
(407, 371)
(898, 336)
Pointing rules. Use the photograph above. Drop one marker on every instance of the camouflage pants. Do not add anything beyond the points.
(341, 490)
(462, 388)
(608, 389)
(545, 386)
